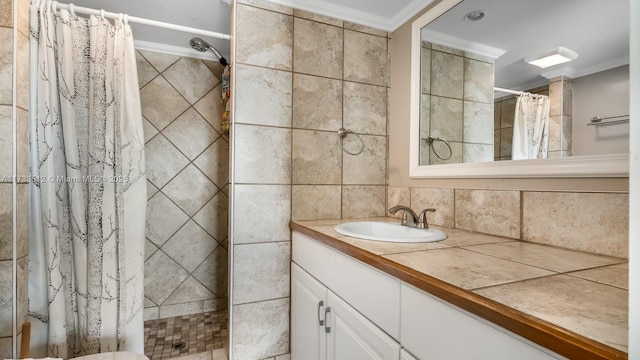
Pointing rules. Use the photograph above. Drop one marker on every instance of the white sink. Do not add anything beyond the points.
(391, 232)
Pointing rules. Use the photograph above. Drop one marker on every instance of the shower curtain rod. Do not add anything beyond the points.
(88, 11)
(508, 91)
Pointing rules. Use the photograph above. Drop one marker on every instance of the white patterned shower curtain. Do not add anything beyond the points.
(88, 192)
(531, 127)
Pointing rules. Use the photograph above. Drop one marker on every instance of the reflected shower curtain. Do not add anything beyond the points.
(88, 188)
(531, 127)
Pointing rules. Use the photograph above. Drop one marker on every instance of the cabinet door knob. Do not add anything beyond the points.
(327, 328)
(320, 305)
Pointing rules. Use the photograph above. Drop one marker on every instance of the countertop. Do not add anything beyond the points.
(572, 302)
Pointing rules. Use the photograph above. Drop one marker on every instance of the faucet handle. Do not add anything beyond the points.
(422, 218)
(409, 217)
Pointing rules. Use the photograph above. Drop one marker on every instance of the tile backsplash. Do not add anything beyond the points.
(591, 222)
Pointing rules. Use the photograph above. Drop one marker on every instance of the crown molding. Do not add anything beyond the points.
(439, 38)
(365, 18)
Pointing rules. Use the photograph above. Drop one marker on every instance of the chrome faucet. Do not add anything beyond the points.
(422, 218)
(409, 217)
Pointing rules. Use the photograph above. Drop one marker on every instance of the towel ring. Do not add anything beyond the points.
(430, 140)
(342, 133)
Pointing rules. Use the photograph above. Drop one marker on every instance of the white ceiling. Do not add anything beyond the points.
(596, 29)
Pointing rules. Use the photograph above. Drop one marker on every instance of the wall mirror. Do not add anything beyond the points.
(469, 63)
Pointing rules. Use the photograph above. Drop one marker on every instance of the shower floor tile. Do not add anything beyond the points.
(185, 335)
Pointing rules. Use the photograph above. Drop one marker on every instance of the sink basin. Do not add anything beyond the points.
(391, 232)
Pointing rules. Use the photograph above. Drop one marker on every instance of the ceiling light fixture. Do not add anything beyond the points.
(553, 57)
(474, 15)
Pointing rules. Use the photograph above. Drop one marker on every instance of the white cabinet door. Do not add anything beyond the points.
(308, 304)
(404, 355)
(352, 337)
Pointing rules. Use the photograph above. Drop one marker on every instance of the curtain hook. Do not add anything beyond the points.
(54, 6)
(102, 14)
(72, 10)
(120, 16)
(126, 19)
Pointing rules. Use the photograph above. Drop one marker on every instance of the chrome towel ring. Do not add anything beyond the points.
(342, 133)
(430, 140)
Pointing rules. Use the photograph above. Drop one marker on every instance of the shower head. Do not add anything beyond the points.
(202, 46)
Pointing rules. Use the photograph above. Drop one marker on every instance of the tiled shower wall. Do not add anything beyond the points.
(14, 109)
(456, 105)
(298, 78)
(187, 171)
(592, 222)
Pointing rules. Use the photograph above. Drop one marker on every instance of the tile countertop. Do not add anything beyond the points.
(571, 302)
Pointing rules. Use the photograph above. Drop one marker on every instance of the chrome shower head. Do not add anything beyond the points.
(202, 46)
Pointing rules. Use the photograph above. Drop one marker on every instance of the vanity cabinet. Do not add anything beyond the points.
(434, 329)
(323, 326)
(344, 309)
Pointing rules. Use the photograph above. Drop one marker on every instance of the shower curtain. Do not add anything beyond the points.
(531, 127)
(88, 188)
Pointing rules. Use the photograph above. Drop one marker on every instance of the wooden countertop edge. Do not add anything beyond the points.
(550, 336)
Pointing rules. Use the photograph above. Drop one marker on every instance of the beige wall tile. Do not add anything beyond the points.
(214, 162)
(363, 201)
(22, 214)
(161, 103)
(317, 17)
(189, 246)
(190, 190)
(212, 273)
(365, 108)
(159, 271)
(440, 199)
(260, 329)
(398, 195)
(163, 161)
(446, 75)
(263, 38)
(263, 96)
(213, 217)
(22, 129)
(22, 71)
(425, 70)
(6, 13)
(364, 29)
(146, 72)
(507, 112)
(473, 153)
(164, 218)
(555, 96)
(488, 211)
(369, 167)
(262, 213)
(211, 108)
(446, 118)
(506, 142)
(316, 202)
(6, 143)
(6, 221)
(317, 49)
(478, 81)
(365, 58)
(478, 122)
(263, 155)
(268, 5)
(160, 61)
(317, 157)
(6, 66)
(261, 272)
(596, 223)
(191, 77)
(6, 298)
(317, 103)
(190, 133)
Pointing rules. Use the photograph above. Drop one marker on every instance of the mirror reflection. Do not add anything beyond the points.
(483, 96)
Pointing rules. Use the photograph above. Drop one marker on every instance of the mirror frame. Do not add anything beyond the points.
(610, 165)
